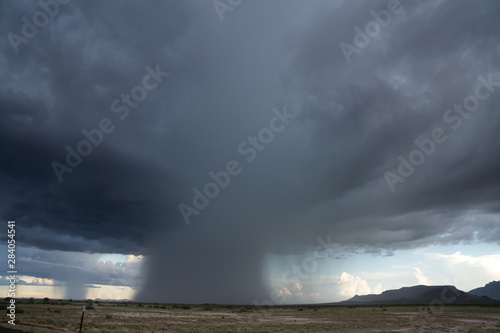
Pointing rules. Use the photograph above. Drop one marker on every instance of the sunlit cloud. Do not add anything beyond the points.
(350, 285)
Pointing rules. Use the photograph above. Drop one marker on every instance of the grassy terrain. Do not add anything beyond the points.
(64, 316)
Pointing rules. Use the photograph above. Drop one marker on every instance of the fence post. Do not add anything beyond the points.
(81, 321)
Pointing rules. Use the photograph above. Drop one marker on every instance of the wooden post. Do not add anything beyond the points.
(81, 322)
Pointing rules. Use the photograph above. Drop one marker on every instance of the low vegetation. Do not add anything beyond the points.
(63, 315)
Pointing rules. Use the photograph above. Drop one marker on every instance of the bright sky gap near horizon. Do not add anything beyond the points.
(249, 150)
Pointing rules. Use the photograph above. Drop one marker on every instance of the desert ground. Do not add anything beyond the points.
(64, 316)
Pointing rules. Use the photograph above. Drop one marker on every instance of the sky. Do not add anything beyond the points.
(249, 152)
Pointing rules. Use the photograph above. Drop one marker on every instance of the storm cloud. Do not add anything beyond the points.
(323, 174)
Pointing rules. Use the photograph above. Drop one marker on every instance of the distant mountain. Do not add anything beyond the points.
(492, 290)
(421, 295)
(124, 300)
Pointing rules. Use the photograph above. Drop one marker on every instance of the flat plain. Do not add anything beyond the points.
(64, 316)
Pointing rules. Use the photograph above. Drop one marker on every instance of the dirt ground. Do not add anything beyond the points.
(64, 316)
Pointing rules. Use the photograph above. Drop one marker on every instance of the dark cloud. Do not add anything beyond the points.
(322, 175)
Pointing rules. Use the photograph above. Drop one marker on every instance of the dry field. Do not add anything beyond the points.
(64, 316)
